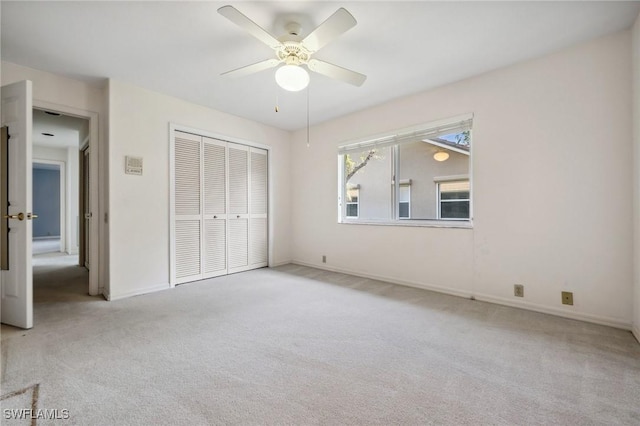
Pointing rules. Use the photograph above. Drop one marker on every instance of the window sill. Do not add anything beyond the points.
(460, 224)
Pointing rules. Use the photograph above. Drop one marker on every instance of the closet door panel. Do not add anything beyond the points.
(238, 170)
(238, 179)
(187, 198)
(258, 242)
(187, 174)
(258, 236)
(238, 244)
(258, 181)
(187, 249)
(215, 177)
(215, 247)
(215, 207)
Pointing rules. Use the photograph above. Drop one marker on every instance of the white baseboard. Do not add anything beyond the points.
(636, 332)
(551, 310)
(596, 319)
(110, 297)
(439, 289)
(275, 265)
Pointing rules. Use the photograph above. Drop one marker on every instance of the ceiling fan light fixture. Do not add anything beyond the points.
(292, 78)
(441, 156)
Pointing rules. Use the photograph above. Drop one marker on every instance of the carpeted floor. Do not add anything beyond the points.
(295, 345)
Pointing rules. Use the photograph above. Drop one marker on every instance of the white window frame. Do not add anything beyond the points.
(393, 139)
(357, 203)
(405, 184)
(439, 199)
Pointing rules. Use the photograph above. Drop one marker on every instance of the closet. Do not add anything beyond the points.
(219, 207)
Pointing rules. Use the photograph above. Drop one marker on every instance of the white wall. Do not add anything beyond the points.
(54, 88)
(553, 138)
(139, 205)
(636, 176)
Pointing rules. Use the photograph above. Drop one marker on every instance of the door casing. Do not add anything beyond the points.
(96, 281)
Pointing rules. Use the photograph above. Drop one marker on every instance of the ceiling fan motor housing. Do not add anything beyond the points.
(293, 53)
(293, 28)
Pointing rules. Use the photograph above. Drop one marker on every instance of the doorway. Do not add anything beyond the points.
(49, 193)
(58, 191)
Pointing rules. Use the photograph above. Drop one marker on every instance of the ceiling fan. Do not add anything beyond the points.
(295, 51)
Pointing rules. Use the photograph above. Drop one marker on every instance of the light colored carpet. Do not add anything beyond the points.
(295, 345)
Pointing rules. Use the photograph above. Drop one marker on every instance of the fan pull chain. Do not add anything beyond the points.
(277, 109)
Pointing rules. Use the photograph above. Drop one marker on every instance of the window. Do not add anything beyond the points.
(453, 201)
(372, 172)
(404, 201)
(409, 175)
(353, 193)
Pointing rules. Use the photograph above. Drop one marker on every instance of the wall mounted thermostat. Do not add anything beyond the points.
(133, 165)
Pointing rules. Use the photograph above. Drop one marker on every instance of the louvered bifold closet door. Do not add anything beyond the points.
(238, 212)
(187, 198)
(215, 207)
(258, 225)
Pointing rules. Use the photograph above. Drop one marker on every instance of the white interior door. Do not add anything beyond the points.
(86, 208)
(238, 236)
(187, 198)
(17, 282)
(214, 180)
(258, 225)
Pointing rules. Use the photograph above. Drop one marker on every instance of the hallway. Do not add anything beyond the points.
(58, 278)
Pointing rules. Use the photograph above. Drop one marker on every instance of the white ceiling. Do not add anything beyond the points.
(180, 48)
(67, 131)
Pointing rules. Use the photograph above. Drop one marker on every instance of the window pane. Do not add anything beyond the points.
(352, 195)
(371, 172)
(416, 163)
(454, 195)
(404, 209)
(454, 210)
(423, 177)
(461, 140)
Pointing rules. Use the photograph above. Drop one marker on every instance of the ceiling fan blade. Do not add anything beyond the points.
(336, 24)
(334, 71)
(235, 16)
(251, 69)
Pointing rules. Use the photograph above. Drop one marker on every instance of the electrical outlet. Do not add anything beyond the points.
(518, 290)
(567, 298)
(324, 259)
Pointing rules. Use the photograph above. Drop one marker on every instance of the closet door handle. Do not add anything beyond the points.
(215, 217)
(238, 217)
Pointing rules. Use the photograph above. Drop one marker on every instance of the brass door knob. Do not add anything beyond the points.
(19, 216)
